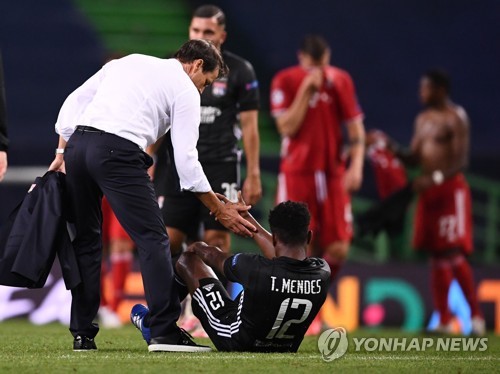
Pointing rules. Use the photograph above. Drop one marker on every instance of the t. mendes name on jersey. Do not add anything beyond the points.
(296, 286)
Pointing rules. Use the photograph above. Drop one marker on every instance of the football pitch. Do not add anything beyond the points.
(25, 348)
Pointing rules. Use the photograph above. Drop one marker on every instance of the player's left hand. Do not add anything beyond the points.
(352, 180)
(241, 205)
(422, 182)
(252, 189)
(231, 215)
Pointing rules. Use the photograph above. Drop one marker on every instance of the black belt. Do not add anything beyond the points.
(89, 129)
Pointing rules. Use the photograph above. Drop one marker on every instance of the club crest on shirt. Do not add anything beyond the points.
(219, 88)
(277, 97)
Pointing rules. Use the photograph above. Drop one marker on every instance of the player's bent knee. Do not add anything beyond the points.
(184, 262)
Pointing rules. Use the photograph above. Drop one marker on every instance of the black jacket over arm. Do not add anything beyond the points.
(35, 232)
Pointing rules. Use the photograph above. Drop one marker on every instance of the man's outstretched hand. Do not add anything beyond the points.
(233, 216)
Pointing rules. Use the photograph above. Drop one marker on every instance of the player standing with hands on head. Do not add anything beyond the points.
(229, 109)
(443, 219)
(104, 127)
(310, 102)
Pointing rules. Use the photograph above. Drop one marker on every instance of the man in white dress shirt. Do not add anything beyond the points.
(104, 126)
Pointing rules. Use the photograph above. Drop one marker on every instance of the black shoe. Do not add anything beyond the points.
(83, 343)
(180, 341)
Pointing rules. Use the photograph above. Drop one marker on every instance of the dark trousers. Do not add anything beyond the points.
(99, 163)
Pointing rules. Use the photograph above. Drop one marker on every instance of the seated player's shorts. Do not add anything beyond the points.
(184, 211)
(443, 218)
(219, 315)
(327, 200)
(111, 227)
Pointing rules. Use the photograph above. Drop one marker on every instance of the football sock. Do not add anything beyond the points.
(463, 274)
(121, 263)
(441, 277)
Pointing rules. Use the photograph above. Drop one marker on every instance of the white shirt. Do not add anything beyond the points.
(140, 98)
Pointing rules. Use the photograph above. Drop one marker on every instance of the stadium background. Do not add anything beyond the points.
(51, 47)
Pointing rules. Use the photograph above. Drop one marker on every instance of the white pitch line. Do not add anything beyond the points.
(221, 357)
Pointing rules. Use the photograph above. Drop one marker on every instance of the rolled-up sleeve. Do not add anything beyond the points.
(185, 122)
(75, 104)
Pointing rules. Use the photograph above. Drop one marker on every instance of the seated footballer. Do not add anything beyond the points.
(283, 290)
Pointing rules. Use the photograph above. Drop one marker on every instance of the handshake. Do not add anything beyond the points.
(234, 215)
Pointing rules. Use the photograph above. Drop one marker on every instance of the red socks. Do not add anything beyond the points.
(463, 274)
(442, 273)
(441, 277)
(121, 263)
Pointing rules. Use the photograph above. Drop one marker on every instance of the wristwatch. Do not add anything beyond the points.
(59, 151)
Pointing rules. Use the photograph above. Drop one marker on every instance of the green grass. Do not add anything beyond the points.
(25, 348)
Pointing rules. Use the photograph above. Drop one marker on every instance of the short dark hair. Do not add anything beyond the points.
(205, 50)
(211, 11)
(289, 222)
(314, 46)
(439, 78)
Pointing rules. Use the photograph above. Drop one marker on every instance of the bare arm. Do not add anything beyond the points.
(291, 119)
(229, 215)
(252, 188)
(3, 164)
(211, 255)
(354, 175)
(58, 163)
(152, 150)
(459, 147)
(262, 237)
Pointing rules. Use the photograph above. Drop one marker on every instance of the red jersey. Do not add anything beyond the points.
(390, 173)
(317, 145)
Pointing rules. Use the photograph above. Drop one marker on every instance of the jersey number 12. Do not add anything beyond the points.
(280, 326)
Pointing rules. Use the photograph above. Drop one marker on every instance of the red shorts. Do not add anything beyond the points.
(328, 203)
(443, 218)
(111, 228)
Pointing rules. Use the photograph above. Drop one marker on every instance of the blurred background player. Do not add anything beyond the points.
(310, 102)
(390, 172)
(443, 220)
(283, 290)
(229, 111)
(394, 191)
(3, 125)
(119, 247)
